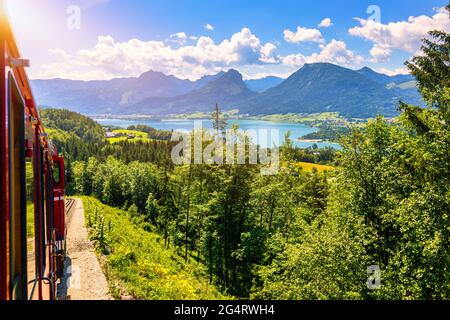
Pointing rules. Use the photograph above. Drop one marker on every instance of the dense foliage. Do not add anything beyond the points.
(328, 133)
(152, 132)
(85, 128)
(137, 262)
(223, 216)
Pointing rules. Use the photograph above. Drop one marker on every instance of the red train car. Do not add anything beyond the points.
(32, 217)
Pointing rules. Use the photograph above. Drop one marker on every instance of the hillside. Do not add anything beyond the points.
(324, 87)
(136, 261)
(72, 133)
(84, 127)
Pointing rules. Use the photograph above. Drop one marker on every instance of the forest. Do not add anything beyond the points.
(300, 234)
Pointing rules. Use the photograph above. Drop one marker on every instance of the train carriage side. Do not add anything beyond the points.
(32, 217)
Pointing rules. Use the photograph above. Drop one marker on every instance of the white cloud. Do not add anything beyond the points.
(209, 27)
(303, 35)
(258, 76)
(326, 23)
(334, 52)
(295, 60)
(394, 72)
(268, 53)
(179, 38)
(109, 59)
(59, 52)
(380, 53)
(403, 35)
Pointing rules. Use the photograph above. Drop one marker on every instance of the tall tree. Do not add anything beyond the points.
(219, 122)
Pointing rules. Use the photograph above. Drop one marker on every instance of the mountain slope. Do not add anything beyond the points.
(315, 88)
(384, 78)
(227, 90)
(324, 87)
(263, 84)
(141, 265)
(110, 96)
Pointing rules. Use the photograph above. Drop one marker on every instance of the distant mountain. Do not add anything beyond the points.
(315, 88)
(153, 83)
(227, 90)
(385, 79)
(206, 80)
(324, 87)
(112, 96)
(263, 84)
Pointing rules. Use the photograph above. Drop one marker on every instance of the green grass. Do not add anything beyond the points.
(310, 166)
(137, 263)
(138, 136)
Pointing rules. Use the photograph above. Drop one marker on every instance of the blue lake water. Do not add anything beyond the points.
(297, 130)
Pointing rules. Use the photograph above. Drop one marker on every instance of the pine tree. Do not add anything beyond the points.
(432, 71)
(219, 123)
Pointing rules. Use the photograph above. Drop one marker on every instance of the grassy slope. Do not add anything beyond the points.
(309, 167)
(141, 265)
(138, 136)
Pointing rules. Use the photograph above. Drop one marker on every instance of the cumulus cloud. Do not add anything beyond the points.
(303, 35)
(209, 27)
(394, 72)
(334, 52)
(60, 53)
(179, 38)
(403, 35)
(326, 23)
(380, 53)
(109, 58)
(268, 53)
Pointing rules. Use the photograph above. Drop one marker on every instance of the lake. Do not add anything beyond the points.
(297, 130)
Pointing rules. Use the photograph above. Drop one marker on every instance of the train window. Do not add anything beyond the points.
(16, 106)
(56, 172)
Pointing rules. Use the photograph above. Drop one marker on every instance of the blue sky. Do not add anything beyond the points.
(119, 38)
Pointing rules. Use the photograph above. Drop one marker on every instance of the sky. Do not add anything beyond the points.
(104, 39)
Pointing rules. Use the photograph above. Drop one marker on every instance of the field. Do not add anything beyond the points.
(137, 262)
(310, 166)
(125, 135)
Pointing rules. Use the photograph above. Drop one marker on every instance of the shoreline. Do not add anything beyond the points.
(311, 140)
(316, 141)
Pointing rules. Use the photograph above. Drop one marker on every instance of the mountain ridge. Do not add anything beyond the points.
(226, 90)
(314, 88)
(325, 87)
